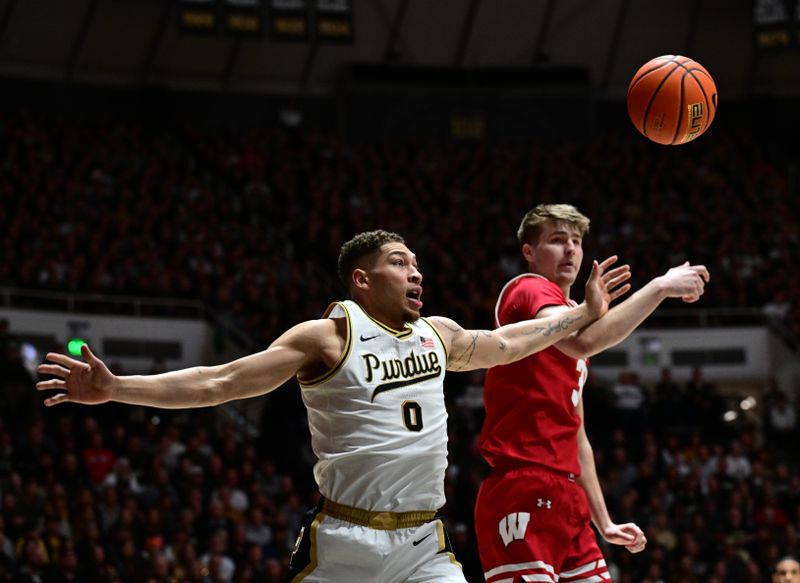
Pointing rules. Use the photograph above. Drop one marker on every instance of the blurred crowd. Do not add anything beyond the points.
(118, 494)
(251, 223)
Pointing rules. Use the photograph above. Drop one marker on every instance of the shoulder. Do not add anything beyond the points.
(316, 334)
(444, 325)
(321, 342)
(524, 296)
(529, 286)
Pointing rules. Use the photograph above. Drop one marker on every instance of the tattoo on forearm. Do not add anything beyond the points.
(463, 359)
(562, 324)
(501, 344)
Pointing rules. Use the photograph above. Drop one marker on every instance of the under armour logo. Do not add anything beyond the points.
(513, 526)
(540, 503)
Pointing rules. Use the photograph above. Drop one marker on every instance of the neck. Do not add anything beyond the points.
(387, 320)
(564, 287)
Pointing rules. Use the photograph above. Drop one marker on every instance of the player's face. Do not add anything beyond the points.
(558, 253)
(787, 571)
(397, 283)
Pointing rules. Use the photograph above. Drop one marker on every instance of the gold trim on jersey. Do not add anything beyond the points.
(348, 346)
(439, 336)
(312, 563)
(399, 334)
(377, 520)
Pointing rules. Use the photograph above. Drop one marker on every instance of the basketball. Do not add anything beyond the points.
(672, 100)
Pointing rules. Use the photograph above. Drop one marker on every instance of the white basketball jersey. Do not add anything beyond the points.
(377, 419)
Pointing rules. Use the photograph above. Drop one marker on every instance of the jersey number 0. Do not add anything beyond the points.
(412, 415)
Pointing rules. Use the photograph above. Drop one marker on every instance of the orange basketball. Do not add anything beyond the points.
(672, 100)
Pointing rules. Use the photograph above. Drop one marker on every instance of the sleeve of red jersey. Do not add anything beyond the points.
(526, 298)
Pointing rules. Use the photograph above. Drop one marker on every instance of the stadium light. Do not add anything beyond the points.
(74, 346)
(748, 403)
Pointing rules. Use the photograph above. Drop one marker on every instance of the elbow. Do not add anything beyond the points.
(577, 349)
(585, 347)
(510, 351)
(216, 387)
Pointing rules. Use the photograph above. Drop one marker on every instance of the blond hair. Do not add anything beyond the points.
(534, 220)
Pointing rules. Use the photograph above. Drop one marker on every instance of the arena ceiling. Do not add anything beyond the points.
(139, 42)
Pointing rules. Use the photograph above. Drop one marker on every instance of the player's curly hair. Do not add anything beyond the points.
(361, 246)
(534, 220)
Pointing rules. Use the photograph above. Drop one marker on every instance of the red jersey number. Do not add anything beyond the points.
(583, 372)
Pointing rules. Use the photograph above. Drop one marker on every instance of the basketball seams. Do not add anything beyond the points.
(680, 111)
(652, 98)
(704, 72)
(636, 80)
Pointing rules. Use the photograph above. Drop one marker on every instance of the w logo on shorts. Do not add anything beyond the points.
(513, 526)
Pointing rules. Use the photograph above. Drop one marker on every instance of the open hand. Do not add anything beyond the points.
(603, 287)
(90, 382)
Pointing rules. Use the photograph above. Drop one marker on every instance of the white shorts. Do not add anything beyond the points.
(331, 550)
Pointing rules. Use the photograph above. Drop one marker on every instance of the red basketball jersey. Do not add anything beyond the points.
(531, 404)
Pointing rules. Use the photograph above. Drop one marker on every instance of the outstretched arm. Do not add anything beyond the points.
(91, 382)
(629, 534)
(473, 349)
(684, 281)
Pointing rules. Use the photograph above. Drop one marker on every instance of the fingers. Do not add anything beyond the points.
(608, 262)
(88, 355)
(628, 537)
(638, 545)
(51, 384)
(57, 400)
(616, 272)
(636, 540)
(636, 548)
(613, 280)
(62, 359)
(702, 272)
(620, 291)
(53, 369)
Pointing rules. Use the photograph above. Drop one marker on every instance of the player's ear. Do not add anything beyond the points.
(360, 279)
(527, 252)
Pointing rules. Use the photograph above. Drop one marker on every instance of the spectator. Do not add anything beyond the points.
(220, 566)
(122, 479)
(97, 459)
(32, 562)
(787, 570)
(737, 465)
(630, 403)
(781, 422)
(67, 570)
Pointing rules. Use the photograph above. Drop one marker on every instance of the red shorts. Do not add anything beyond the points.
(535, 525)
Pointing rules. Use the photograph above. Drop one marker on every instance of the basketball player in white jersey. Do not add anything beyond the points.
(371, 373)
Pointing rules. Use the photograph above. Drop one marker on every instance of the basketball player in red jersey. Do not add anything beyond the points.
(533, 512)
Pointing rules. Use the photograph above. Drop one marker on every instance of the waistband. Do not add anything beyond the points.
(505, 466)
(377, 520)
